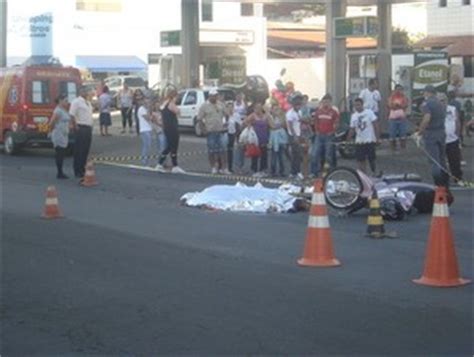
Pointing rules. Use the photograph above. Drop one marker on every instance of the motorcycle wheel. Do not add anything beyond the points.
(342, 188)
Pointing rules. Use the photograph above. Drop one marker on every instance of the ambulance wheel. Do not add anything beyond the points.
(10, 147)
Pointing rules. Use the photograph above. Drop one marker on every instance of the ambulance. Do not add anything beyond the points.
(27, 96)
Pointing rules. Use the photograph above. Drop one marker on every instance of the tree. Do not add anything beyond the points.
(401, 38)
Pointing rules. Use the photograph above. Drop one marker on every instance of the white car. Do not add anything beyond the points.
(190, 100)
(116, 83)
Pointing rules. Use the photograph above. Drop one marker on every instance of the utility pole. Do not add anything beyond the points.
(3, 30)
(335, 52)
(190, 42)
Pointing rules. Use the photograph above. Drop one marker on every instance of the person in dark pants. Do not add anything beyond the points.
(169, 112)
(81, 113)
(59, 126)
(434, 136)
(126, 103)
(452, 127)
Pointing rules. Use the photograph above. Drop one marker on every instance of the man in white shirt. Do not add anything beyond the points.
(81, 113)
(371, 97)
(365, 126)
(452, 126)
(293, 120)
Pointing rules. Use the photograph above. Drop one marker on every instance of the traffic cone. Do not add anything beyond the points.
(89, 178)
(318, 249)
(441, 264)
(51, 207)
(375, 223)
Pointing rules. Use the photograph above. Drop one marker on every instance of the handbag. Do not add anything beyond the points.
(252, 150)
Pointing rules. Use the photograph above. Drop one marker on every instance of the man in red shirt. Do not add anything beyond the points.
(326, 121)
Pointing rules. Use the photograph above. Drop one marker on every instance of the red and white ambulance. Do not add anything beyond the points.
(27, 96)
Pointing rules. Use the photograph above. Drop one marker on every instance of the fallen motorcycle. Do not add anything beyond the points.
(348, 190)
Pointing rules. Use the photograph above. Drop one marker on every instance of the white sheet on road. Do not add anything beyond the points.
(242, 198)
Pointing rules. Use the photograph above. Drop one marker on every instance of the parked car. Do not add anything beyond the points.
(190, 100)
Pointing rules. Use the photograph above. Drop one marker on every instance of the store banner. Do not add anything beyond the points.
(431, 68)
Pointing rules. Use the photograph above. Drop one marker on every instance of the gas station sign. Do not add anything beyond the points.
(233, 69)
(363, 26)
(170, 38)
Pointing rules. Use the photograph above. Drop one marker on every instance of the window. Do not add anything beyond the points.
(179, 99)
(191, 98)
(246, 9)
(466, 2)
(99, 5)
(443, 3)
(40, 92)
(68, 88)
(206, 10)
(468, 63)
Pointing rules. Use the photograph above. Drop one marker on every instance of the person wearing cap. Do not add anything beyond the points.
(81, 113)
(397, 118)
(432, 131)
(326, 122)
(212, 119)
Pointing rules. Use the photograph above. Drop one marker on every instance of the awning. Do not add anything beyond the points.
(111, 63)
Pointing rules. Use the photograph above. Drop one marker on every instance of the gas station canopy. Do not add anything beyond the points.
(348, 2)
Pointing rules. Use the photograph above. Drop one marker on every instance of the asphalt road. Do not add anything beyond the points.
(129, 271)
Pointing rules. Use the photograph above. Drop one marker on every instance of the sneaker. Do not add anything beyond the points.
(62, 176)
(299, 176)
(214, 171)
(160, 168)
(177, 170)
(123, 131)
(225, 172)
(463, 163)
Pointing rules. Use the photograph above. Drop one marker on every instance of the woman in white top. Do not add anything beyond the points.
(145, 130)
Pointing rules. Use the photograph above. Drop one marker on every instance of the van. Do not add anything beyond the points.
(27, 96)
(115, 83)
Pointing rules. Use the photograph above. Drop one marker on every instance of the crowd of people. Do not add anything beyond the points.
(268, 135)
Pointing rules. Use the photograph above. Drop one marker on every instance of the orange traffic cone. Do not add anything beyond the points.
(89, 178)
(318, 249)
(441, 264)
(51, 208)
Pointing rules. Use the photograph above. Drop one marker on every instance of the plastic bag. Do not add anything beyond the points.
(248, 136)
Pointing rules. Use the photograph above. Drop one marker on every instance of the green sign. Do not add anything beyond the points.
(430, 68)
(365, 26)
(170, 38)
(233, 70)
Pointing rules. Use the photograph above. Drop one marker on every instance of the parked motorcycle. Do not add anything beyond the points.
(348, 190)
